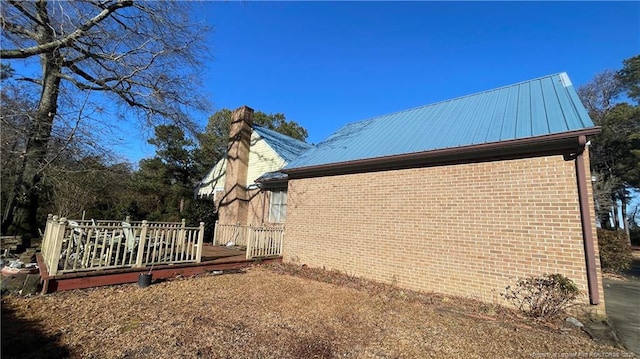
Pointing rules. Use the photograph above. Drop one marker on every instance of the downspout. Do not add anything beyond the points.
(587, 230)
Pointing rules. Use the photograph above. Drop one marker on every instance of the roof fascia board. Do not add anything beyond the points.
(565, 143)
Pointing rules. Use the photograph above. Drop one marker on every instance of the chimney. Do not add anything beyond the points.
(234, 206)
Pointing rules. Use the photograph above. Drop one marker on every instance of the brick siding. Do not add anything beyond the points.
(468, 229)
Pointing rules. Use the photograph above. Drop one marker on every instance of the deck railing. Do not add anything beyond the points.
(74, 246)
(260, 241)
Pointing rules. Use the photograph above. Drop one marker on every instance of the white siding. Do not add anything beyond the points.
(262, 159)
(214, 180)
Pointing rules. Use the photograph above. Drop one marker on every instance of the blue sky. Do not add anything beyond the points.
(326, 64)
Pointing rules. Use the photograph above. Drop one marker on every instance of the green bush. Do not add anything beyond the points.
(544, 297)
(202, 210)
(615, 252)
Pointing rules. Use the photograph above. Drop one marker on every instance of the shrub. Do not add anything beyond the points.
(202, 210)
(615, 252)
(544, 297)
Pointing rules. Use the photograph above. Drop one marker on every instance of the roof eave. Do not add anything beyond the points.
(553, 144)
(272, 180)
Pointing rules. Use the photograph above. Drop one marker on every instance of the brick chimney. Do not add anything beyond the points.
(234, 206)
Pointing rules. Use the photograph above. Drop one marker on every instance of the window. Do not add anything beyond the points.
(278, 206)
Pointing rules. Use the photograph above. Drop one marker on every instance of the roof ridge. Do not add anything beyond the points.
(278, 133)
(460, 97)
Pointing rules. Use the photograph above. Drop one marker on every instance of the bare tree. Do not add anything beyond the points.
(614, 151)
(138, 55)
(599, 95)
(17, 114)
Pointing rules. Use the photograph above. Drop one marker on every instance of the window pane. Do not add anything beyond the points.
(273, 214)
(278, 206)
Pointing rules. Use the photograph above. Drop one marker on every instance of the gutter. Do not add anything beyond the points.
(555, 144)
(587, 229)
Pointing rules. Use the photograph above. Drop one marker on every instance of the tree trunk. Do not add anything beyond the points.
(7, 214)
(625, 219)
(23, 213)
(614, 211)
(605, 219)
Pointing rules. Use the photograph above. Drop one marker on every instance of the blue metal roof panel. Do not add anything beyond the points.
(270, 176)
(532, 108)
(286, 147)
(552, 106)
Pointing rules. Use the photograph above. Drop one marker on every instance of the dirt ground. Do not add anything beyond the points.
(277, 312)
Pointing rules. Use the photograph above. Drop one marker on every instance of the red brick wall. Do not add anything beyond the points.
(467, 229)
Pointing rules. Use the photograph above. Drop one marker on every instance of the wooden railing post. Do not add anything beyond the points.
(141, 243)
(215, 233)
(281, 244)
(200, 243)
(182, 234)
(47, 230)
(56, 245)
(249, 243)
(47, 240)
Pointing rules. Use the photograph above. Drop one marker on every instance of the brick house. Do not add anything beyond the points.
(459, 197)
(253, 152)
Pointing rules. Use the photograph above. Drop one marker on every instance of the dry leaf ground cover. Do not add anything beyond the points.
(269, 313)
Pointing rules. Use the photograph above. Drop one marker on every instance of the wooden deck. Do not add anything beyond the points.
(214, 258)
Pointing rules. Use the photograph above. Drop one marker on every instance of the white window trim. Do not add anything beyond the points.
(278, 202)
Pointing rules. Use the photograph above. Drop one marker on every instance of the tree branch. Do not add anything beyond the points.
(67, 40)
(18, 5)
(29, 79)
(16, 29)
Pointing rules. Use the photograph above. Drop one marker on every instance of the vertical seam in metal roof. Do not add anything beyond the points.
(564, 115)
(484, 115)
(441, 128)
(546, 109)
(467, 108)
(530, 109)
(504, 115)
(493, 116)
(515, 127)
(573, 97)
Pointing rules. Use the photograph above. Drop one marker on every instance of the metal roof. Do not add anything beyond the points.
(286, 147)
(273, 176)
(543, 106)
